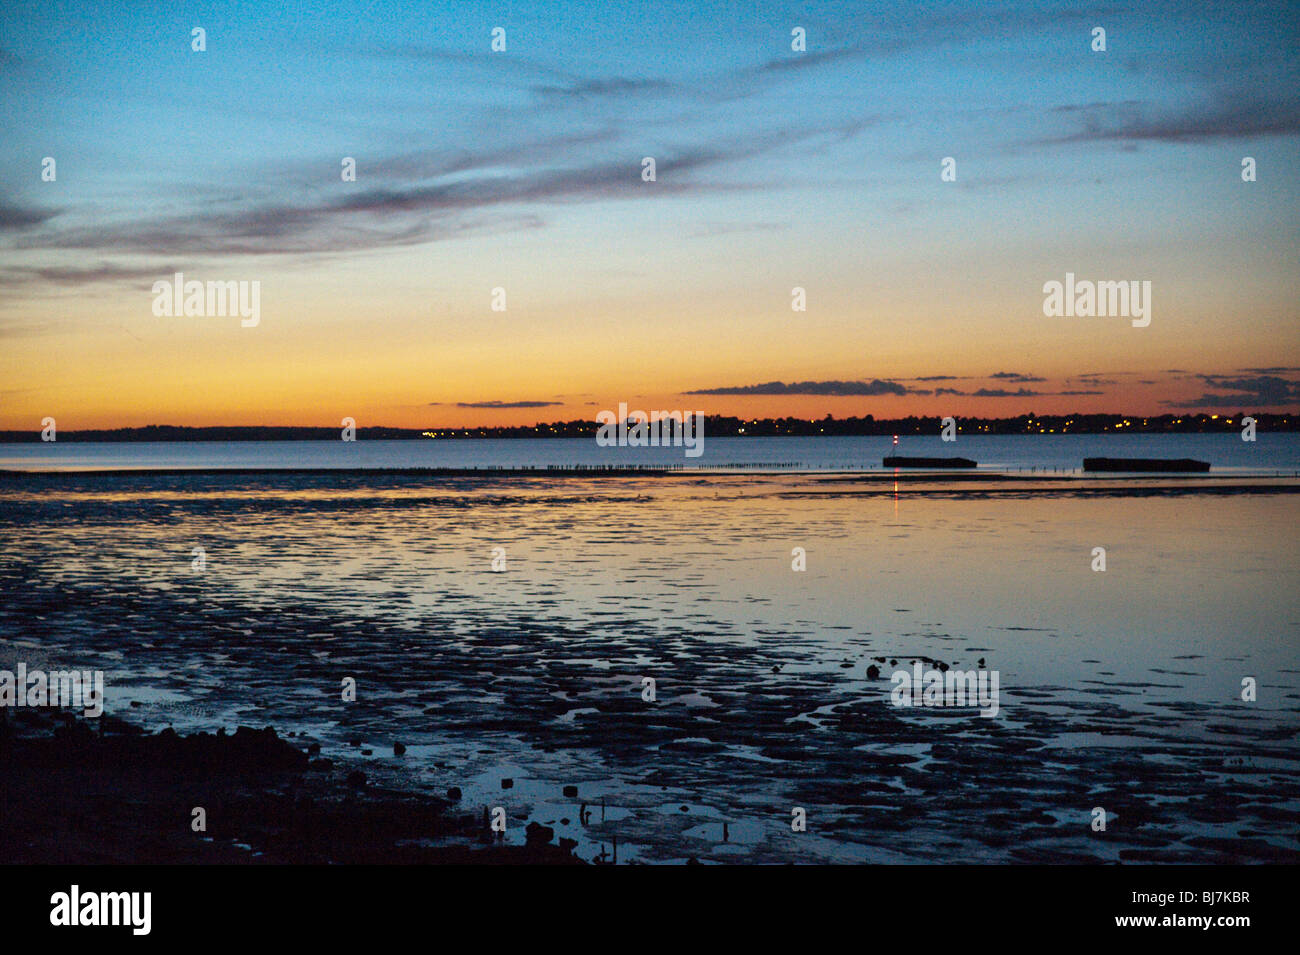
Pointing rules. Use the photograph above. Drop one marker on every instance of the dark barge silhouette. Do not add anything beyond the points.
(1146, 464)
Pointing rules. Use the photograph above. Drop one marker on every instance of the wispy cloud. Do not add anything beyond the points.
(1222, 116)
(501, 189)
(617, 86)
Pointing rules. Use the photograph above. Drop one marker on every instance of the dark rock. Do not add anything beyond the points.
(356, 779)
(535, 834)
(507, 784)
(570, 791)
(454, 794)
(399, 749)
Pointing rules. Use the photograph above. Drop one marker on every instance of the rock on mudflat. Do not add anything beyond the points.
(536, 834)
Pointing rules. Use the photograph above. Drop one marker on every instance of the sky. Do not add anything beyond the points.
(522, 170)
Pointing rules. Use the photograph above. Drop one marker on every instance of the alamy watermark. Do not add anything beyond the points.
(658, 429)
(82, 689)
(1087, 299)
(75, 907)
(176, 297)
(950, 688)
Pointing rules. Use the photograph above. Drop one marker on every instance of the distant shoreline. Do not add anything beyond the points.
(714, 426)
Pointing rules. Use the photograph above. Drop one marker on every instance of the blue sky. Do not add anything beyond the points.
(521, 169)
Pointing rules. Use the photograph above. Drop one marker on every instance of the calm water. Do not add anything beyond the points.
(1119, 689)
(1226, 452)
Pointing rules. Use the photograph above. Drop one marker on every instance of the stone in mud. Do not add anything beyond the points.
(356, 779)
(571, 790)
(454, 794)
(399, 749)
(507, 784)
(535, 834)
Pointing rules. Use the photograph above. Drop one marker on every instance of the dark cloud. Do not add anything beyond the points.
(1003, 393)
(1260, 390)
(802, 61)
(1224, 116)
(82, 275)
(504, 404)
(1094, 380)
(1016, 377)
(831, 388)
(22, 217)
(1097, 106)
(414, 213)
(615, 86)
